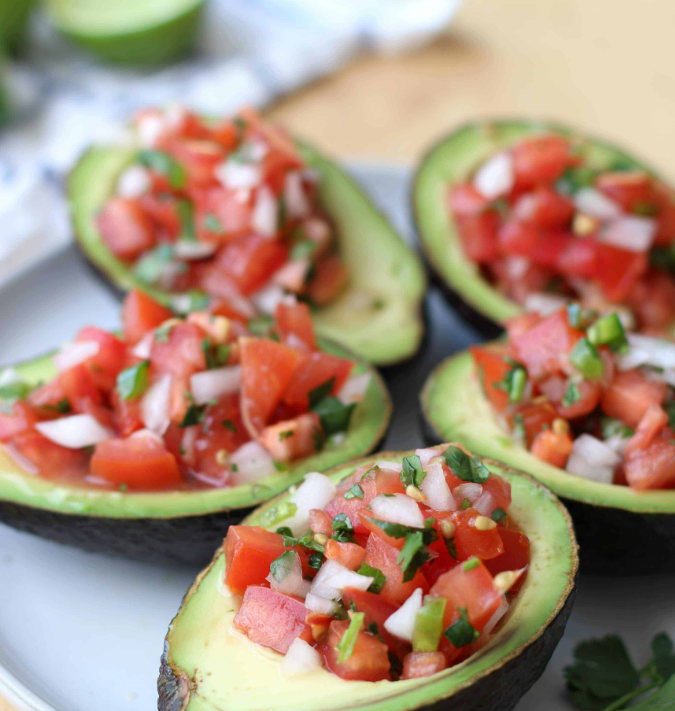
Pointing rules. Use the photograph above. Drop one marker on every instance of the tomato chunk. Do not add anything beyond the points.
(629, 188)
(141, 314)
(544, 207)
(294, 323)
(369, 660)
(464, 199)
(249, 551)
(105, 366)
(21, 416)
(52, 460)
(478, 234)
(630, 395)
(181, 353)
(329, 280)
(652, 467)
(126, 228)
(617, 270)
(534, 417)
(492, 369)
(417, 665)
(470, 541)
(540, 160)
(350, 555)
(313, 370)
(552, 447)
(516, 553)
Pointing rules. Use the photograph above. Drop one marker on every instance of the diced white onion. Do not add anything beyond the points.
(301, 658)
(354, 389)
(469, 491)
(133, 182)
(72, 354)
(630, 232)
(391, 466)
(398, 508)
(143, 348)
(668, 376)
(213, 384)
(544, 304)
(592, 202)
(333, 577)
(314, 493)
(75, 431)
(156, 405)
(292, 275)
(592, 459)
(485, 504)
(617, 444)
(193, 249)
(293, 583)
(253, 462)
(138, 434)
(297, 205)
(402, 622)
(148, 129)
(436, 489)
(319, 604)
(268, 298)
(516, 267)
(236, 175)
(525, 206)
(646, 350)
(265, 217)
(427, 454)
(495, 177)
(21, 460)
(498, 614)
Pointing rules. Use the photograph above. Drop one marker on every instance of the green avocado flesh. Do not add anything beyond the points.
(454, 405)
(227, 671)
(136, 32)
(378, 316)
(368, 424)
(452, 161)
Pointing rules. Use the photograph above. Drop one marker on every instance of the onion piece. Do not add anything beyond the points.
(646, 350)
(592, 202)
(72, 354)
(427, 455)
(193, 249)
(333, 577)
(402, 622)
(134, 182)
(592, 459)
(314, 493)
(469, 491)
(213, 384)
(265, 217)
(236, 175)
(354, 389)
(485, 504)
(498, 614)
(301, 658)
(544, 304)
(630, 232)
(293, 583)
(435, 487)
(268, 298)
(398, 508)
(74, 431)
(292, 275)
(391, 466)
(253, 462)
(156, 405)
(319, 604)
(143, 349)
(495, 177)
(297, 205)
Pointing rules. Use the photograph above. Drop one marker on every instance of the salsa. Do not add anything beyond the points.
(585, 395)
(545, 227)
(200, 401)
(398, 572)
(225, 207)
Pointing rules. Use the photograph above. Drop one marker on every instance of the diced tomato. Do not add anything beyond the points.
(376, 481)
(249, 551)
(516, 553)
(520, 324)
(52, 460)
(313, 370)
(551, 246)
(365, 518)
(665, 222)
(652, 467)
(126, 228)
(141, 314)
(651, 424)
(541, 348)
(579, 257)
(652, 298)
(292, 439)
(554, 388)
(329, 280)
(500, 490)
(275, 166)
(383, 556)
(479, 235)
(492, 369)
(163, 211)
(198, 158)
(319, 522)
(266, 372)
(630, 395)
(127, 417)
(464, 199)
(470, 541)
(544, 207)
(75, 385)
(350, 555)
(21, 416)
(541, 160)
(417, 665)
(137, 462)
(552, 447)
(271, 618)
(181, 354)
(219, 307)
(443, 561)
(534, 416)
(368, 662)
(221, 216)
(105, 366)
(226, 133)
(628, 188)
(294, 324)
(519, 238)
(618, 270)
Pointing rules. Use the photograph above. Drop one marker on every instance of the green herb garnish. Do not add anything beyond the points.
(132, 382)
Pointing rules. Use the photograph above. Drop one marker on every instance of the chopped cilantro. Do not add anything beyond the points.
(354, 492)
(379, 578)
(319, 393)
(334, 415)
(193, 416)
(164, 164)
(465, 466)
(285, 435)
(261, 325)
(412, 472)
(461, 632)
(346, 645)
(280, 567)
(212, 223)
(132, 382)
(498, 514)
(229, 425)
(571, 395)
(343, 530)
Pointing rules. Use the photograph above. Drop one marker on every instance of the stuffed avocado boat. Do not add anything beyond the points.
(406, 580)
(515, 214)
(151, 442)
(235, 211)
(589, 410)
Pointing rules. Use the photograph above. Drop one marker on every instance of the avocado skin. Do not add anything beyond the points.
(500, 690)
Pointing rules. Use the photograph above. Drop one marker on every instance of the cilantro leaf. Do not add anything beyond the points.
(461, 632)
(354, 492)
(334, 415)
(379, 577)
(413, 555)
(320, 392)
(412, 472)
(466, 467)
(343, 530)
(664, 655)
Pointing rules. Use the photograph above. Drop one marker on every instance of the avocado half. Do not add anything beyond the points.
(378, 316)
(207, 665)
(451, 161)
(620, 531)
(171, 526)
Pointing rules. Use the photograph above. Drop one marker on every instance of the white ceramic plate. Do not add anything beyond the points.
(80, 631)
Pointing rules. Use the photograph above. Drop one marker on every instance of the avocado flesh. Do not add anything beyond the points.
(180, 526)
(378, 316)
(620, 531)
(452, 161)
(208, 665)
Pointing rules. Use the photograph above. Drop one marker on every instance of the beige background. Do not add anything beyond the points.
(606, 66)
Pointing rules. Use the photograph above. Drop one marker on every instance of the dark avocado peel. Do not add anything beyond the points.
(620, 531)
(378, 316)
(172, 526)
(451, 161)
(206, 666)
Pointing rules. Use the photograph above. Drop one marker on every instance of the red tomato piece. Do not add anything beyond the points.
(126, 228)
(535, 417)
(313, 370)
(383, 556)
(544, 207)
(75, 385)
(369, 660)
(552, 447)
(464, 199)
(21, 416)
(249, 551)
(630, 395)
(271, 618)
(319, 522)
(226, 133)
(141, 314)
(163, 211)
(137, 462)
(104, 367)
(198, 158)
(519, 238)
(275, 165)
(628, 188)
(330, 278)
(516, 553)
(551, 246)
(652, 467)
(127, 417)
(665, 232)
(554, 388)
(653, 300)
(181, 354)
(478, 234)
(579, 257)
(500, 490)
(221, 216)
(618, 270)
(294, 324)
(492, 369)
(541, 160)
(417, 665)
(52, 460)
(350, 555)
(469, 541)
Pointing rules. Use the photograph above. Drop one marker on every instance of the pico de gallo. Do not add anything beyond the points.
(585, 395)
(400, 571)
(173, 403)
(226, 207)
(545, 227)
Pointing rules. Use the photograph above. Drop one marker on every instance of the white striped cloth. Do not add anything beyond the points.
(251, 52)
